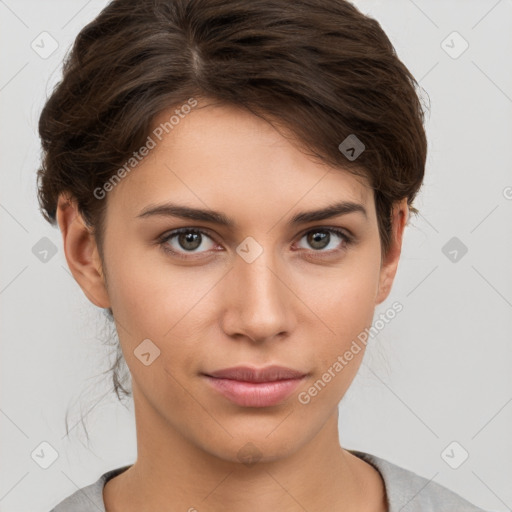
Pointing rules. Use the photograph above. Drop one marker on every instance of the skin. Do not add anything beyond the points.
(289, 307)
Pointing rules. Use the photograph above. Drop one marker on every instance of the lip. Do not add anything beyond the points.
(253, 387)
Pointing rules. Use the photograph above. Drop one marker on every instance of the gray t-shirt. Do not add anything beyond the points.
(406, 491)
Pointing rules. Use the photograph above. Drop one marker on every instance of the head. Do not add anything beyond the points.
(243, 110)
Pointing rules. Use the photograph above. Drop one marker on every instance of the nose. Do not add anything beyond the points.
(258, 303)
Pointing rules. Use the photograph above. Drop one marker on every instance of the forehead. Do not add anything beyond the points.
(224, 157)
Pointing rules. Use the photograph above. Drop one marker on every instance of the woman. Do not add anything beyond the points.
(232, 181)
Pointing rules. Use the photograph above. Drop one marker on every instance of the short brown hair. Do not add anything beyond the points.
(319, 68)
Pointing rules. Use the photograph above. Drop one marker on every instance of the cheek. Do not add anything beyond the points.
(148, 296)
(344, 296)
(347, 308)
(156, 300)
(150, 302)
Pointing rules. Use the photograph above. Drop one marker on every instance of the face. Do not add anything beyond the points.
(263, 290)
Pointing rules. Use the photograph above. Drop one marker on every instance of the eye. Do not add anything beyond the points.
(188, 240)
(322, 238)
(183, 242)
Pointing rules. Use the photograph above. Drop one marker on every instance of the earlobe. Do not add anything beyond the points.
(81, 252)
(400, 217)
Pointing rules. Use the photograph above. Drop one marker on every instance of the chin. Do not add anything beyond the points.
(250, 448)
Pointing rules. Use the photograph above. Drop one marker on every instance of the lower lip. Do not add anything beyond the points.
(255, 394)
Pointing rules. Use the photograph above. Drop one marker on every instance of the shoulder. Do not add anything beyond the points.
(409, 492)
(89, 498)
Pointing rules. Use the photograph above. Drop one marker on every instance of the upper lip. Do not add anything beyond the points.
(248, 374)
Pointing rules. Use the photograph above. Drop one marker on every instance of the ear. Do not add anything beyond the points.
(389, 264)
(81, 252)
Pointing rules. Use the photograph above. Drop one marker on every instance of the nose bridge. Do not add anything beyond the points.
(261, 303)
(260, 278)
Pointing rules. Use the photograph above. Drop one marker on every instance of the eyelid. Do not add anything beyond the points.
(173, 232)
(337, 229)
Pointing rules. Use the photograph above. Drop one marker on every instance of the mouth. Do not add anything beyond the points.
(252, 387)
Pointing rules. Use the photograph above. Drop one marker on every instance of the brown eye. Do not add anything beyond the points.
(318, 239)
(322, 238)
(189, 241)
(186, 240)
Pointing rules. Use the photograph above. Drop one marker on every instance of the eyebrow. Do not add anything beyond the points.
(205, 215)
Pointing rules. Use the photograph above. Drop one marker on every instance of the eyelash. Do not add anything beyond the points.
(347, 240)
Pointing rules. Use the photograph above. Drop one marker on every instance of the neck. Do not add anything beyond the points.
(171, 473)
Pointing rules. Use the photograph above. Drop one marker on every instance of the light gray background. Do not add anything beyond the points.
(439, 372)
